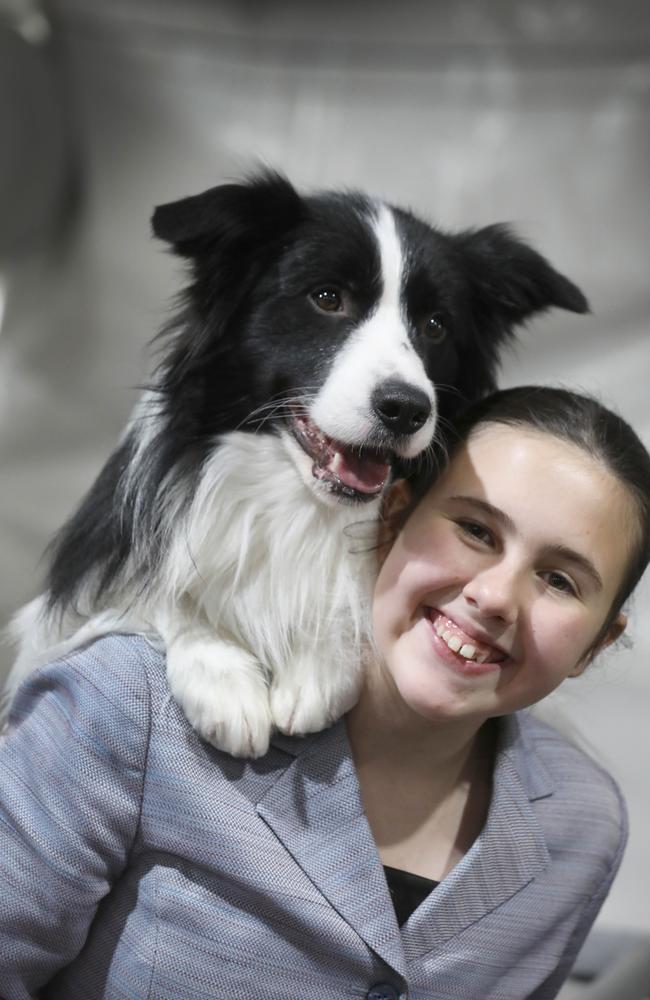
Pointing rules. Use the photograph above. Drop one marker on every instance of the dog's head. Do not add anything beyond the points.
(349, 326)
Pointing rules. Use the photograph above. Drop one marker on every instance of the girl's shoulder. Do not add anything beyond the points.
(573, 795)
(560, 754)
(116, 679)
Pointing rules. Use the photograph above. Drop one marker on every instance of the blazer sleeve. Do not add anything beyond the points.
(71, 775)
(552, 985)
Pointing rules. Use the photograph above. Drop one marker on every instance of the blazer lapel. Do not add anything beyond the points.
(315, 810)
(510, 851)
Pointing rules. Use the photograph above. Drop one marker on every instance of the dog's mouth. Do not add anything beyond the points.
(350, 471)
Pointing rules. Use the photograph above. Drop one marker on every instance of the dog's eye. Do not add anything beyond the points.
(433, 327)
(329, 299)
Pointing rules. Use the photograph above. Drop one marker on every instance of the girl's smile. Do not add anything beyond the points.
(500, 581)
(461, 648)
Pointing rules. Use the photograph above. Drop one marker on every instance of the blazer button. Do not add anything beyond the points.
(383, 991)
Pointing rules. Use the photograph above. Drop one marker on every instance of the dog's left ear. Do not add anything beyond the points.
(508, 282)
(511, 281)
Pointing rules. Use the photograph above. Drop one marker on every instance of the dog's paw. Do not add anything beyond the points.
(311, 704)
(223, 692)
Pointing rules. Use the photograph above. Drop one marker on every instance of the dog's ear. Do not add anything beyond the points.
(233, 216)
(511, 282)
(508, 282)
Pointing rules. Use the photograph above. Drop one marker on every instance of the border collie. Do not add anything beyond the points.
(319, 344)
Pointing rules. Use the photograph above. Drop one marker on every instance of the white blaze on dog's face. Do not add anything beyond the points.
(379, 351)
(377, 396)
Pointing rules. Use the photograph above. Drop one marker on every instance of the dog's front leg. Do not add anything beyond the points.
(313, 691)
(222, 690)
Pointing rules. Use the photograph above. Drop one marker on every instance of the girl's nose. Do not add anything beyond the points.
(494, 593)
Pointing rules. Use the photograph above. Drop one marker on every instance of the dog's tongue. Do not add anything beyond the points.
(365, 473)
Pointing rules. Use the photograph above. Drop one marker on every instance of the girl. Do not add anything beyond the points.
(140, 862)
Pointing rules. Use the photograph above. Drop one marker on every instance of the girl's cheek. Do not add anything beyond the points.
(557, 641)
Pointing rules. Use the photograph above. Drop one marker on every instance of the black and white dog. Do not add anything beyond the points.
(321, 340)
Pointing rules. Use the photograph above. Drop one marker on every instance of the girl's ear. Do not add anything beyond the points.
(614, 632)
(395, 503)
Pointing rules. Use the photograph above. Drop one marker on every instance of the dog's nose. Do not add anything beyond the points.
(401, 407)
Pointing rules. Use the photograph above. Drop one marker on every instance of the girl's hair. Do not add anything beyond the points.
(582, 421)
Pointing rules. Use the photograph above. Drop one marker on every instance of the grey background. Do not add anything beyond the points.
(469, 112)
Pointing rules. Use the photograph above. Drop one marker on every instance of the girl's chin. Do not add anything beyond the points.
(441, 708)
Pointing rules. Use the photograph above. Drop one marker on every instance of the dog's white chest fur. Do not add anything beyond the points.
(283, 581)
(261, 601)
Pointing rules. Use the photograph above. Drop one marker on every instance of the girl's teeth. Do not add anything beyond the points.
(466, 649)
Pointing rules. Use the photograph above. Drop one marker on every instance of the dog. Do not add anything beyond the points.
(320, 343)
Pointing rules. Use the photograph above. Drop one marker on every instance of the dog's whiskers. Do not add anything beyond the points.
(282, 405)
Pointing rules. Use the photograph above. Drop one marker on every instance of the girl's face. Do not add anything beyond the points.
(503, 576)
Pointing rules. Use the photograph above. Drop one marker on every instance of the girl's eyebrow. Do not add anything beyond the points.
(570, 555)
(495, 513)
(560, 551)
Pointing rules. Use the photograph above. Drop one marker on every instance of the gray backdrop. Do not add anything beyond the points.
(470, 112)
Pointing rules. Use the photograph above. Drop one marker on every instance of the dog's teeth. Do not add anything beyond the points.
(454, 643)
(468, 651)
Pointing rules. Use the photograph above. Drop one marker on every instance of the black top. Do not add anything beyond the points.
(407, 891)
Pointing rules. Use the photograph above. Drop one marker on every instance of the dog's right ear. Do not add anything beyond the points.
(232, 215)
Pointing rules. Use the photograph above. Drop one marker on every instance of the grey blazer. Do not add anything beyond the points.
(138, 862)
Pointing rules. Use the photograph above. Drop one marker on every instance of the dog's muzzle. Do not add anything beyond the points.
(353, 472)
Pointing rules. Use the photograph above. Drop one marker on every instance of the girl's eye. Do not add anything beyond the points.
(328, 299)
(560, 582)
(478, 532)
